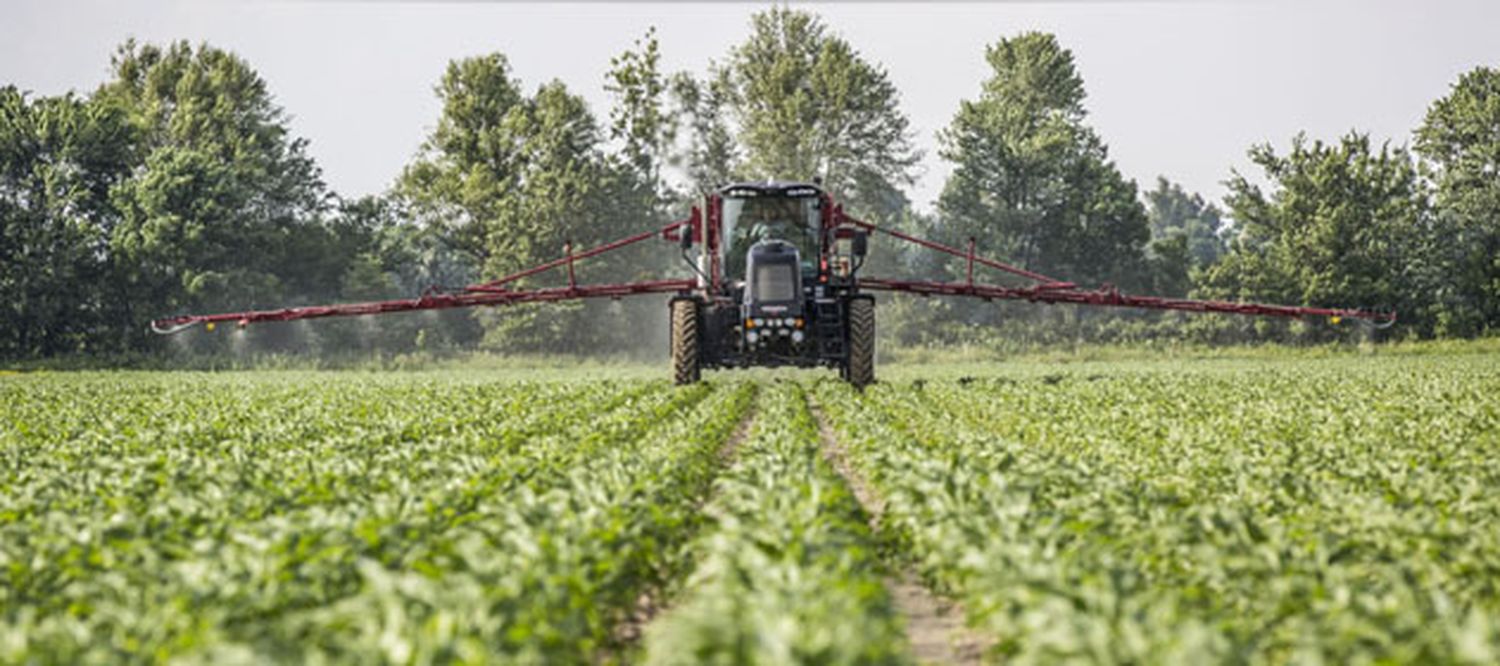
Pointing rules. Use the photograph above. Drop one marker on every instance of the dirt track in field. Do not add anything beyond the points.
(934, 626)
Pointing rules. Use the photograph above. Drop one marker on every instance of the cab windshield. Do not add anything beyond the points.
(751, 219)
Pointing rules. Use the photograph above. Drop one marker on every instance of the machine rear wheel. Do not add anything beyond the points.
(685, 347)
(860, 368)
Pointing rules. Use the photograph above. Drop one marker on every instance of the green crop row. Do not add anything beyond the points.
(1307, 514)
(118, 502)
(1322, 511)
(789, 572)
(544, 572)
(207, 518)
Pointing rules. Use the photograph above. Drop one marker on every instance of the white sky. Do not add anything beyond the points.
(1179, 88)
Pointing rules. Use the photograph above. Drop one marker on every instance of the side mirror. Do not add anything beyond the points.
(861, 243)
(685, 237)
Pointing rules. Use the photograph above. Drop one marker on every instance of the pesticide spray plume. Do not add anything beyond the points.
(239, 342)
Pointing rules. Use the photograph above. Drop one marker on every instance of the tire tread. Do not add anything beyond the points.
(861, 364)
(685, 342)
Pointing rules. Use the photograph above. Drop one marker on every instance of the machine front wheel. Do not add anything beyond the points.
(860, 368)
(685, 341)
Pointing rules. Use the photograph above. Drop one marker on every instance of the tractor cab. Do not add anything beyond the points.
(752, 213)
(772, 234)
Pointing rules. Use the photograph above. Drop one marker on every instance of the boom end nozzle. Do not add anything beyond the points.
(172, 326)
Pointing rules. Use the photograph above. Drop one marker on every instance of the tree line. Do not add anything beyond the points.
(177, 186)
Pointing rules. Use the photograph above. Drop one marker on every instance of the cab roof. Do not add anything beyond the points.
(782, 188)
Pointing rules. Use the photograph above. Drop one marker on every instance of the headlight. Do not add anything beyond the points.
(759, 322)
(751, 337)
(797, 336)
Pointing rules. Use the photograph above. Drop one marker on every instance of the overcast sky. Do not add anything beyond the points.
(1179, 89)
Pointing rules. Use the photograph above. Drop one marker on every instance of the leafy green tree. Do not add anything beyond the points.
(1185, 236)
(646, 125)
(506, 175)
(225, 208)
(712, 156)
(1031, 181)
(1460, 141)
(795, 102)
(473, 161)
(1171, 265)
(511, 179)
(809, 105)
(640, 118)
(414, 257)
(1343, 225)
(391, 257)
(59, 158)
(1173, 211)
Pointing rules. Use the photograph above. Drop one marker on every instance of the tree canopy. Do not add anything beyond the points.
(1460, 141)
(178, 184)
(1031, 179)
(795, 101)
(1342, 226)
(514, 178)
(59, 159)
(1185, 236)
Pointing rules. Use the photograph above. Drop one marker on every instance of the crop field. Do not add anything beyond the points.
(1338, 510)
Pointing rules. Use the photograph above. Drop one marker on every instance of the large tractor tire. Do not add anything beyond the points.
(860, 370)
(685, 342)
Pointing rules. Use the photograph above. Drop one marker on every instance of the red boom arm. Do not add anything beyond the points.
(489, 293)
(1049, 290)
(496, 292)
